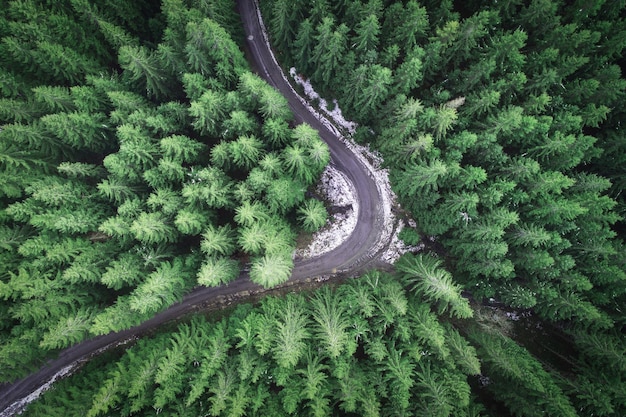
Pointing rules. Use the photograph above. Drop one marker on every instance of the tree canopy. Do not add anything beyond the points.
(141, 157)
(130, 165)
(500, 125)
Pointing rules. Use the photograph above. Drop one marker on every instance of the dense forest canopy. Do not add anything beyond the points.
(140, 157)
(367, 349)
(501, 123)
(137, 163)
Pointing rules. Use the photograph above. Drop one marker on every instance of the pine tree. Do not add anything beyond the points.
(283, 18)
(191, 222)
(213, 358)
(122, 272)
(330, 49)
(291, 333)
(246, 151)
(250, 213)
(68, 330)
(273, 105)
(56, 99)
(211, 51)
(367, 32)
(272, 164)
(332, 323)
(443, 120)
(81, 131)
(521, 378)
(374, 89)
(182, 148)
(425, 275)
(218, 241)
(409, 73)
(422, 178)
(313, 215)
(65, 64)
(276, 132)
(143, 68)
(283, 194)
(464, 354)
(271, 270)
(207, 112)
(208, 187)
(107, 396)
(415, 23)
(153, 228)
(303, 46)
(239, 123)
(162, 288)
(399, 372)
(218, 271)
(297, 163)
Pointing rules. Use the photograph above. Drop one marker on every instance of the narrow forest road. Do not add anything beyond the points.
(360, 249)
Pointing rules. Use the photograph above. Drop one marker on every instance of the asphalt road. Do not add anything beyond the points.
(353, 255)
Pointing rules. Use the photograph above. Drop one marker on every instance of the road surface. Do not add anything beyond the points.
(356, 252)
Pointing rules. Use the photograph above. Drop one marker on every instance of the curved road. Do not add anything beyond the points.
(354, 254)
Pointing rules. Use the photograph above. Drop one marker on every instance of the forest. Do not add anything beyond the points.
(139, 171)
(140, 157)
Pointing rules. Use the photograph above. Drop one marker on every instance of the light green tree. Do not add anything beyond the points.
(332, 322)
(291, 333)
(426, 277)
(217, 271)
(218, 241)
(312, 215)
(153, 228)
(271, 270)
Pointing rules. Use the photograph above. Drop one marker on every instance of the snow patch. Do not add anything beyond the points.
(311, 94)
(397, 247)
(18, 406)
(340, 192)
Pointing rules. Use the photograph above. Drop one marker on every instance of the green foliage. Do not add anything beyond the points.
(271, 269)
(160, 289)
(332, 322)
(207, 111)
(288, 355)
(290, 334)
(69, 330)
(426, 277)
(153, 228)
(217, 271)
(218, 241)
(518, 379)
(211, 51)
(500, 125)
(313, 215)
(124, 158)
(142, 67)
(284, 194)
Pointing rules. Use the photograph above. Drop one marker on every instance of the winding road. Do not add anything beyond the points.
(358, 251)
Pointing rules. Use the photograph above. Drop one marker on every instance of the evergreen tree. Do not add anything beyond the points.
(218, 271)
(313, 215)
(332, 322)
(367, 32)
(271, 269)
(425, 275)
(143, 68)
(153, 228)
